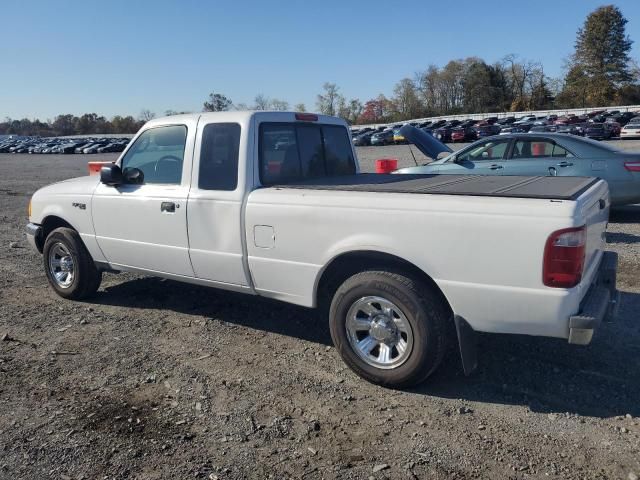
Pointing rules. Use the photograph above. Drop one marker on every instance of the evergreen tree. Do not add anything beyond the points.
(600, 64)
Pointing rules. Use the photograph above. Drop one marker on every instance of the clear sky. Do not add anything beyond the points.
(118, 57)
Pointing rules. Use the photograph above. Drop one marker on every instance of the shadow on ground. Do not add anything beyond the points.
(627, 214)
(547, 375)
(620, 237)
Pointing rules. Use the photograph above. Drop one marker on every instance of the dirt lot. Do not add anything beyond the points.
(154, 379)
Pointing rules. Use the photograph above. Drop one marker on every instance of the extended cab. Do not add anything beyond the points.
(272, 204)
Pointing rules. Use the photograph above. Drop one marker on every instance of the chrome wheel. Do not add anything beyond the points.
(61, 265)
(379, 332)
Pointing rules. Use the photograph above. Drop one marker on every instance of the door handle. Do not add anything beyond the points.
(565, 164)
(168, 207)
(495, 166)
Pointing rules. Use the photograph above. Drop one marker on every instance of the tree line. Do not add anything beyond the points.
(599, 73)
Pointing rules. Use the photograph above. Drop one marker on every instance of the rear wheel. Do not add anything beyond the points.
(389, 328)
(69, 267)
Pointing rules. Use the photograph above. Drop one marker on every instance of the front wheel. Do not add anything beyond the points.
(389, 328)
(69, 267)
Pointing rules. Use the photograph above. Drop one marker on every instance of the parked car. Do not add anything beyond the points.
(395, 298)
(489, 130)
(444, 133)
(552, 154)
(525, 119)
(363, 139)
(384, 137)
(598, 131)
(570, 129)
(397, 136)
(464, 134)
(630, 130)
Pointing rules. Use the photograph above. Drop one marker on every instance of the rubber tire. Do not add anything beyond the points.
(87, 279)
(428, 317)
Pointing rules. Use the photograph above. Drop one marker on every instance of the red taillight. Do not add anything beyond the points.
(632, 166)
(307, 117)
(564, 258)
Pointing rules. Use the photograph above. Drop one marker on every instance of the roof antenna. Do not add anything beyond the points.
(414, 157)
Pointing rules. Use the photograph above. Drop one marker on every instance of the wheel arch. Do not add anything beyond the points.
(349, 263)
(49, 224)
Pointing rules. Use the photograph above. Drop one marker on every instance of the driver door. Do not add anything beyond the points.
(144, 226)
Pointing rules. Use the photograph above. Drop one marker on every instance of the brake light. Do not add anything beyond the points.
(564, 255)
(632, 166)
(307, 117)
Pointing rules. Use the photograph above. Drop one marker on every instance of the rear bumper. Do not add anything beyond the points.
(599, 304)
(34, 236)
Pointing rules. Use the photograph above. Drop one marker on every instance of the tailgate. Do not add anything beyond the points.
(594, 208)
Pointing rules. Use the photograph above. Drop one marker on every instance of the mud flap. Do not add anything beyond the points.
(468, 344)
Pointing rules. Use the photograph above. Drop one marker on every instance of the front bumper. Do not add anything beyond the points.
(599, 304)
(34, 236)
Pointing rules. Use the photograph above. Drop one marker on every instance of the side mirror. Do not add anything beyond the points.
(133, 176)
(111, 175)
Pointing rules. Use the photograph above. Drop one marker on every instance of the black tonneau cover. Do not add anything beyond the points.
(551, 188)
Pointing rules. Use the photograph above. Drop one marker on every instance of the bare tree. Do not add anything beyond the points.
(146, 115)
(329, 101)
(279, 105)
(261, 102)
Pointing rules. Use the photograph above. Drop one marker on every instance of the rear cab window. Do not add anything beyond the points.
(296, 151)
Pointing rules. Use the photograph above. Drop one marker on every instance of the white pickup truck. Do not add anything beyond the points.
(273, 204)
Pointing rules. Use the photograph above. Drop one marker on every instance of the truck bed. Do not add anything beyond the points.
(550, 188)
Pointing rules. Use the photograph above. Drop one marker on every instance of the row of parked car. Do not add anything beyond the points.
(601, 125)
(62, 145)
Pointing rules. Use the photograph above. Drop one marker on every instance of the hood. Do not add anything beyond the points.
(427, 144)
(72, 186)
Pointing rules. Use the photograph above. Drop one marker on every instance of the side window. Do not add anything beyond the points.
(558, 151)
(159, 153)
(491, 150)
(219, 157)
(533, 149)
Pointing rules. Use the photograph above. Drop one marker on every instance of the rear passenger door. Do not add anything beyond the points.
(214, 209)
(540, 157)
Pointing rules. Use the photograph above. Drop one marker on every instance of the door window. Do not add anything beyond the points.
(219, 157)
(558, 151)
(490, 150)
(538, 149)
(159, 153)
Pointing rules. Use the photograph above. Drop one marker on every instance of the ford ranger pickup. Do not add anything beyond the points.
(401, 266)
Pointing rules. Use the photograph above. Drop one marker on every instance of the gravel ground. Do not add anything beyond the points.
(154, 379)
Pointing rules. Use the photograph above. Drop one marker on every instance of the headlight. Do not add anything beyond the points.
(29, 209)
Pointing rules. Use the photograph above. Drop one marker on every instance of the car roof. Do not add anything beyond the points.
(240, 116)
